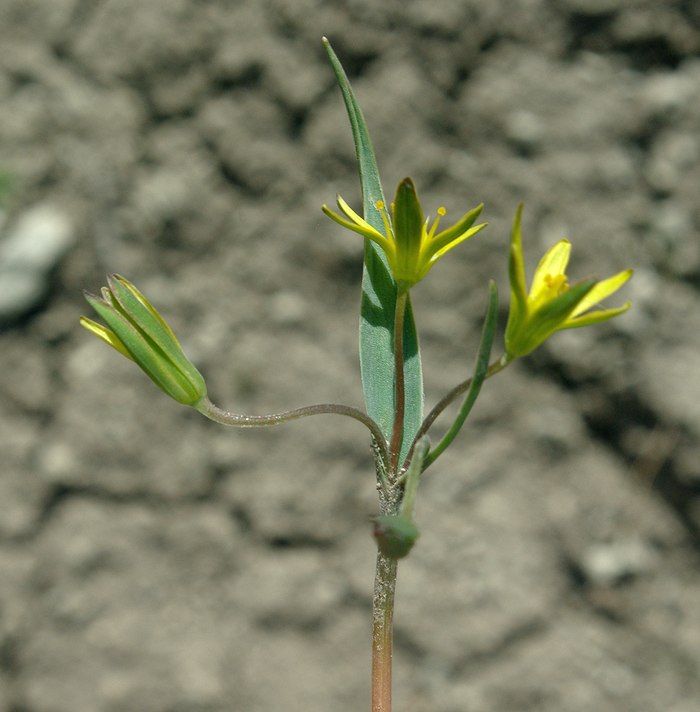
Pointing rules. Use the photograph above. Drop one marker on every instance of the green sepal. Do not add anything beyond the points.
(516, 263)
(541, 324)
(140, 312)
(408, 224)
(560, 308)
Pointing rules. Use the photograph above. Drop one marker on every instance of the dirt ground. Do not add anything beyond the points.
(151, 561)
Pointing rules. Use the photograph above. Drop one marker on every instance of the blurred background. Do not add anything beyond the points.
(152, 561)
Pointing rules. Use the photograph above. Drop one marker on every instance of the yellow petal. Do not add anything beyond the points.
(552, 264)
(360, 226)
(105, 334)
(360, 222)
(461, 238)
(459, 228)
(601, 291)
(595, 317)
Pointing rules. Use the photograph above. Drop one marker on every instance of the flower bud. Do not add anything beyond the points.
(395, 534)
(139, 332)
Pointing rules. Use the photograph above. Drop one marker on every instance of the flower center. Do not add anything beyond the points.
(556, 284)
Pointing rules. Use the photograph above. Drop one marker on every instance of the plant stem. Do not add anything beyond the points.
(399, 385)
(239, 420)
(382, 635)
(412, 477)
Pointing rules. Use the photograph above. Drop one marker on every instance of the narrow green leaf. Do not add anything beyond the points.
(379, 295)
(480, 372)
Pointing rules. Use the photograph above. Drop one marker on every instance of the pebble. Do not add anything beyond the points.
(610, 563)
(30, 249)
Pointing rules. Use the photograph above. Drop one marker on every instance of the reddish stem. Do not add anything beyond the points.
(382, 637)
(399, 381)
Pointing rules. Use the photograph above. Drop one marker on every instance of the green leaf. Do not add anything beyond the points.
(379, 296)
(481, 370)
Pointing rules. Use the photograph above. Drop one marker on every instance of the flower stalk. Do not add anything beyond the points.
(399, 382)
(140, 333)
(241, 420)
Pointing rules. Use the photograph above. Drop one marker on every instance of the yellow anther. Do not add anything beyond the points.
(440, 213)
(385, 217)
(556, 283)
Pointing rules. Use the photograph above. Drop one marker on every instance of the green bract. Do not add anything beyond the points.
(139, 332)
(551, 304)
(410, 243)
(395, 535)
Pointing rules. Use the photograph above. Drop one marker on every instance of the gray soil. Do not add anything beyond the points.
(151, 561)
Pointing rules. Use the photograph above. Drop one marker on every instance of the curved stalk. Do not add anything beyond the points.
(239, 420)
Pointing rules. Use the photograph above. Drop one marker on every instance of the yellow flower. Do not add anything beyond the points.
(139, 332)
(411, 244)
(552, 304)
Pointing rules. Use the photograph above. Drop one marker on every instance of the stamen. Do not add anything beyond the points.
(385, 218)
(557, 283)
(441, 212)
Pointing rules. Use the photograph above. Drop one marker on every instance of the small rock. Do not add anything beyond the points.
(31, 249)
(612, 562)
